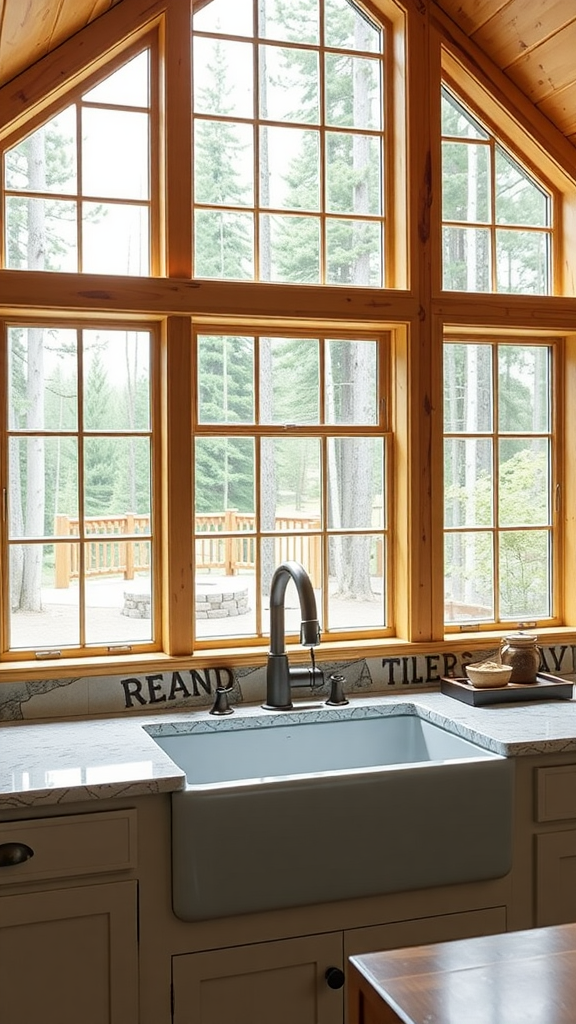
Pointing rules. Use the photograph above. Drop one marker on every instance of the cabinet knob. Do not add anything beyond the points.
(14, 853)
(334, 977)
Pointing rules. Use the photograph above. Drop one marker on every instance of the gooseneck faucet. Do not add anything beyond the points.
(280, 677)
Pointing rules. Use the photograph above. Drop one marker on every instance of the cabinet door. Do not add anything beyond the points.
(556, 878)
(281, 982)
(69, 956)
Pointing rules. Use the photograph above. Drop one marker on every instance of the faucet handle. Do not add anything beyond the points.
(221, 705)
(337, 695)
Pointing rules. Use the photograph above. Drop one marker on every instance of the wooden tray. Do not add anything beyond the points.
(546, 687)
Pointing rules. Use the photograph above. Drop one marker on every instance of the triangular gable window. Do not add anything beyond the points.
(77, 189)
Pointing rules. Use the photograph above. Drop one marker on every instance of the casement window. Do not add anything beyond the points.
(497, 218)
(499, 478)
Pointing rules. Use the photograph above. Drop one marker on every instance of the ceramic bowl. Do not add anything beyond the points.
(483, 676)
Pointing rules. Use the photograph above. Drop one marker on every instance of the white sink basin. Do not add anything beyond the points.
(270, 751)
(290, 809)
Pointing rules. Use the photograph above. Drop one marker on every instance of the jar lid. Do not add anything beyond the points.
(521, 638)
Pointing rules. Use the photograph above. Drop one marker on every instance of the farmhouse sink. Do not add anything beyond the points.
(317, 806)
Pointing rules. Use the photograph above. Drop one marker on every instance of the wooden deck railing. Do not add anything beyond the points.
(224, 540)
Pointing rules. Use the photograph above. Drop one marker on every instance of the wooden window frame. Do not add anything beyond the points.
(426, 46)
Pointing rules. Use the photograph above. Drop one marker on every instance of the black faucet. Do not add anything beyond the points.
(279, 676)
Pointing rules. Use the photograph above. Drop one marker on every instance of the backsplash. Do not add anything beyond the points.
(195, 688)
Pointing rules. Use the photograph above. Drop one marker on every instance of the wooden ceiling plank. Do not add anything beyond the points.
(72, 17)
(548, 67)
(560, 108)
(470, 15)
(26, 31)
(520, 27)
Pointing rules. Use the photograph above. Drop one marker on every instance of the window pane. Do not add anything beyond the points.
(44, 616)
(278, 187)
(289, 22)
(230, 179)
(357, 596)
(41, 234)
(43, 485)
(290, 483)
(224, 479)
(524, 482)
(466, 262)
(221, 16)
(290, 249)
(42, 379)
(525, 572)
(117, 380)
(118, 610)
(355, 476)
(468, 482)
(116, 476)
(465, 182)
(457, 121)
(519, 200)
(354, 251)
(46, 160)
(126, 87)
(289, 84)
(115, 149)
(522, 260)
(524, 388)
(468, 577)
(225, 379)
(354, 175)
(222, 77)
(289, 380)
(224, 244)
(225, 604)
(353, 91)
(115, 239)
(349, 27)
(468, 396)
(351, 382)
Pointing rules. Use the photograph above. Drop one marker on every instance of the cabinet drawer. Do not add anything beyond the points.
(79, 844)
(556, 793)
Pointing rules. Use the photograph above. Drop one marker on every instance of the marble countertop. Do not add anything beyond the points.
(46, 763)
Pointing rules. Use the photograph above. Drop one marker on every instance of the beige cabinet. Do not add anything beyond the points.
(284, 982)
(556, 847)
(290, 981)
(68, 945)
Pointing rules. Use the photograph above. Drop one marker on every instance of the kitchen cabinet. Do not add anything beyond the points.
(556, 847)
(300, 979)
(281, 981)
(68, 944)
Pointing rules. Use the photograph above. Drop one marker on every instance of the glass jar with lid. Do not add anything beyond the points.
(521, 651)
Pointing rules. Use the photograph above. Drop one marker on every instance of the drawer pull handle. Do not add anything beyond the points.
(14, 853)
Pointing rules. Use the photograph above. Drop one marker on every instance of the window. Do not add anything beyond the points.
(254, 371)
(291, 463)
(292, 99)
(80, 487)
(499, 474)
(497, 218)
(77, 189)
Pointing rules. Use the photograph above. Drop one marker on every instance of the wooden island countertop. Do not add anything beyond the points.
(526, 977)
